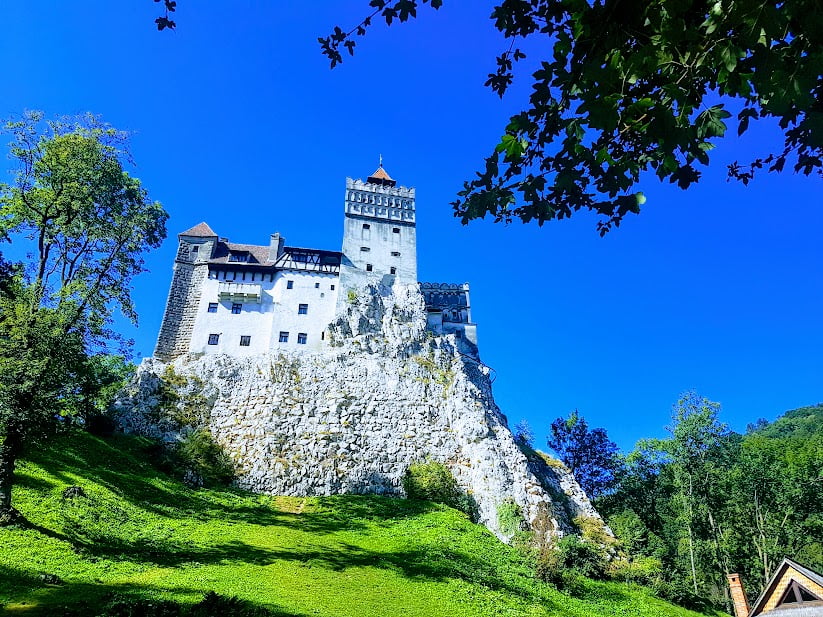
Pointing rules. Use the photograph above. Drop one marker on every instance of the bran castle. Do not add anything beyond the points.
(325, 372)
(244, 299)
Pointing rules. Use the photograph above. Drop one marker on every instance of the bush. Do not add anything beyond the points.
(584, 557)
(679, 593)
(100, 425)
(432, 481)
(201, 455)
(550, 569)
(510, 518)
(641, 570)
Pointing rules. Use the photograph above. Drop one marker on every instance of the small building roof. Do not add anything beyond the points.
(200, 230)
(381, 176)
(782, 571)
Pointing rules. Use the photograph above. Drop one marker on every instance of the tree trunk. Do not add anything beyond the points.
(10, 449)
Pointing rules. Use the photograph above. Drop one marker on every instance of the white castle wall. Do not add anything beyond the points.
(351, 418)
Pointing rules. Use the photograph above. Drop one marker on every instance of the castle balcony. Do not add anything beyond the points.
(245, 292)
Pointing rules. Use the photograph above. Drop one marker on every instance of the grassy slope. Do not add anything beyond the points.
(141, 532)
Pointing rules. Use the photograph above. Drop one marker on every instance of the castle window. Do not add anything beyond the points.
(236, 308)
(364, 249)
(365, 234)
(393, 270)
(317, 285)
(395, 254)
(284, 337)
(303, 309)
(245, 341)
(214, 339)
(212, 307)
(395, 230)
(195, 249)
(238, 257)
(301, 338)
(289, 284)
(368, 267)
(332, 287)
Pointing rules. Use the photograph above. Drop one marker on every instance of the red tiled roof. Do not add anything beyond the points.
(381, 174)
(200, 230)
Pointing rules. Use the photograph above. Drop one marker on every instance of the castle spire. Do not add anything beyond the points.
(381, 176)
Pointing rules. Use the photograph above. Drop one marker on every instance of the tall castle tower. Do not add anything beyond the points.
(379, 233)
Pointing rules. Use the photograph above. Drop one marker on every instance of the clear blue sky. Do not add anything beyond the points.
(239, 121)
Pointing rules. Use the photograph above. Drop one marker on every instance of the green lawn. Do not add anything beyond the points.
(138, 531)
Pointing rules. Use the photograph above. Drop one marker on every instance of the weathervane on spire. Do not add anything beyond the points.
(381, 160)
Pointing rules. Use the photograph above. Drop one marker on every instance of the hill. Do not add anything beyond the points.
(802, 423)
(140, 532)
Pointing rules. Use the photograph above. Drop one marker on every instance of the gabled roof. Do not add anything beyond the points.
(200, 230)
(381, 176)
(782, 571)
(258, 255)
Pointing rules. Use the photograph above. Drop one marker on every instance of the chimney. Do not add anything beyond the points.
(741, 604)
(276, 246)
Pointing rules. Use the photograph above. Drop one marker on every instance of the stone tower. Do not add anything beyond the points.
(379, 233)
(195, 248)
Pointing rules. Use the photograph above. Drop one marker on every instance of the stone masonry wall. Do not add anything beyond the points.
(350, 419)
(181, 310)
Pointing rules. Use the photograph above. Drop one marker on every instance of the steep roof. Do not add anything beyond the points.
(381, 176)
(200, 230)
(783, 571)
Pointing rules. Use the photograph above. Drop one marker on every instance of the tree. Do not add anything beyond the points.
(589, 454)
(633, 86)
(696, 448)
(86, 222)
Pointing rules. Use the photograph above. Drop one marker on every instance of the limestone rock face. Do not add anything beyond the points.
(385, 393)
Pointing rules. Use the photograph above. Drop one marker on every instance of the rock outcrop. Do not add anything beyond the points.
(385, 393)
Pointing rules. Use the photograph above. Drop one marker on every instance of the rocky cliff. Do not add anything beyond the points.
(385, 393)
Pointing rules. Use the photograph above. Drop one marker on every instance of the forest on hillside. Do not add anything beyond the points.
(706, 502)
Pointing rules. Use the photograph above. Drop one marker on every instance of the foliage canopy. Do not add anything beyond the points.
(85, 223)
(631, 86)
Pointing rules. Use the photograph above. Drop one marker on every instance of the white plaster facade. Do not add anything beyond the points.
(242, 300)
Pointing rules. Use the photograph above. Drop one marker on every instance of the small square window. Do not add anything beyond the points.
(366, 226)
(368, 268)
(284, 337)
(212, 307)
(317, 285)
(236, 308)
(395, 254)
(245, 341)
(393, 270)
(303, 309)
(195, 249)
(301, 338)
(214, 339)
(395, 230)
(364, 249)
(332, 287)
(289, 284)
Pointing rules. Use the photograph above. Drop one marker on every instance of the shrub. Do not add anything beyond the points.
(433, 481)
(641, 570)
(679, 593)
(584, 557)
(200, 454)
(550, 569)
(510, 517)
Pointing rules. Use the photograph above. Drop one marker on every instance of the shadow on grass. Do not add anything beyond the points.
(120, 465)
(71, 599)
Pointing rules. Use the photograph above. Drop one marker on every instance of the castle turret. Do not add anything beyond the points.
(195, 248)
(379, 234)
